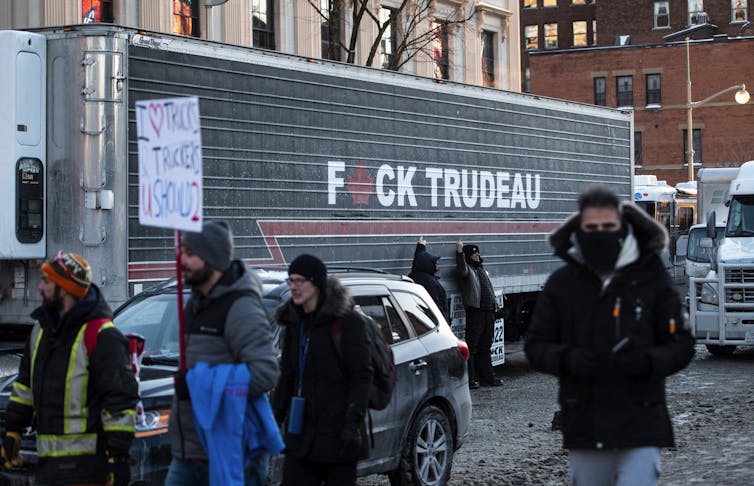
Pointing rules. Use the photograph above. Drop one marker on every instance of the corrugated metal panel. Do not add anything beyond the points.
(272, 130)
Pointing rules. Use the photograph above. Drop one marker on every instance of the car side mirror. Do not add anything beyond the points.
(711, 225)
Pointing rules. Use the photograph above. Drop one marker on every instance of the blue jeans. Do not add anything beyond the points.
(638, 466)
(196, 473)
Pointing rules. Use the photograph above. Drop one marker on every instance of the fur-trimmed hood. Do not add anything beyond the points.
(651, 236)
(337, 303)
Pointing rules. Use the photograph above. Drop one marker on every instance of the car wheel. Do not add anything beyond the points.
(720, 350)
(427, 456)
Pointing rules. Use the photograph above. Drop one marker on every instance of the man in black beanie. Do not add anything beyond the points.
(323, 390)
(480, 306)
(225, 322)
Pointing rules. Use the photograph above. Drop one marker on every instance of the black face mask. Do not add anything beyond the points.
(601, 248)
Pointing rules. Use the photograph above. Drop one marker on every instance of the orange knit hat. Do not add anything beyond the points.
(70, 272)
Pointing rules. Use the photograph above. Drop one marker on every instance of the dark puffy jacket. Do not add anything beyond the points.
(103, 420)
(423, 272)
(335, 383)
(612, 410)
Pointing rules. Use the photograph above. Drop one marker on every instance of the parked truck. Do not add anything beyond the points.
(300, 155)
(721, 304)
(712, 195)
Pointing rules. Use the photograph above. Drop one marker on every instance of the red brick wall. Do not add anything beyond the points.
(727, 128)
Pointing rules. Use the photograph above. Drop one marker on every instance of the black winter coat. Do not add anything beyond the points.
(335, 382)
(423, 273)
(612, 410)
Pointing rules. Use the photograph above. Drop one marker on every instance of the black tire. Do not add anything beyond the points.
(427, 456)
(721, 350)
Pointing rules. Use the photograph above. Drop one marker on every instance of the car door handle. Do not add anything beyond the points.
(417, 365)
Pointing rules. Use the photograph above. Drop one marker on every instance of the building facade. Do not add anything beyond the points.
(478, 41)
(639, 62)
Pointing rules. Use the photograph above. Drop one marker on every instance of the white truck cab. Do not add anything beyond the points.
(722, 303)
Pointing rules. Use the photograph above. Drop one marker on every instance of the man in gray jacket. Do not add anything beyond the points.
(225, 322)
(480, 306)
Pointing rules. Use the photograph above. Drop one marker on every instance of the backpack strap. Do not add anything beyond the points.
(93, 327)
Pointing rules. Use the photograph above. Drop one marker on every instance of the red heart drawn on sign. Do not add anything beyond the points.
(156, 117)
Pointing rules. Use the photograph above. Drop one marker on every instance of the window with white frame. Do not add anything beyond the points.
(579, 33)
(662, 15)
(531, 37)
(697, 15)
(551, 36)
(739, 11)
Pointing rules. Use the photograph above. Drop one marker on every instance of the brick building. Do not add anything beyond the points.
(638, 62)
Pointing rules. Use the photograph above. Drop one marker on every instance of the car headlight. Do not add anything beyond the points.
(709, 294)
(152, 422)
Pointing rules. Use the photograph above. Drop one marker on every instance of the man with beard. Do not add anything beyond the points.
(75, 383)
(609, 324)
(225, 323)
(480, 306)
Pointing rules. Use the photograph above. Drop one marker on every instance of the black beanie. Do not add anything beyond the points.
(214, 244)
(310, 267)
(469, 250)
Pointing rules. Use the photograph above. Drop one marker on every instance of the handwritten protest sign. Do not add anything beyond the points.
(170, 163)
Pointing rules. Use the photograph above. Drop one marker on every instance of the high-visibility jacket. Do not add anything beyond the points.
(81, 395)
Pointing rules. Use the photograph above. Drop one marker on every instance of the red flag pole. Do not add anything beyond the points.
(179, 277)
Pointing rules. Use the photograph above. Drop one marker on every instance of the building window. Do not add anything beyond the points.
(531, 37)
(549, 3)
(738, 11)
(488, 59)
(594, 32)
(551, 36)
(578, 2)
(662, 15)
(440, 55)
(263, 23)
(697, 146)
(96, 11)
(638, 161)
(654, 93)
(697, 15)
(527, 80)
(530, 3)
(625, 90)
(579, 33)
(600, 97)
(389, 38)
(186, 17)
(330, 29)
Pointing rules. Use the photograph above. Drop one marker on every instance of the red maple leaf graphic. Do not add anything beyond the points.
(360, 185)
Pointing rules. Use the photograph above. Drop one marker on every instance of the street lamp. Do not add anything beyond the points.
(742, 97)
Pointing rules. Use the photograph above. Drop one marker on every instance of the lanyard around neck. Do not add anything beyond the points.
(303, 349)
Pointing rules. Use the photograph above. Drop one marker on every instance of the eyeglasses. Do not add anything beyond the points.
(296, 281)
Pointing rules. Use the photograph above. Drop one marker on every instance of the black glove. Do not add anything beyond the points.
(630, 363)
(582, 364)
(181, 388)
(502, 313)
(11, 450)
(118, 471)
(351, 434)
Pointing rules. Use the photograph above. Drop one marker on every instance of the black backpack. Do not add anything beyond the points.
(383, 364)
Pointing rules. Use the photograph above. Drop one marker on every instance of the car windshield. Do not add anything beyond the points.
(155, 318)
(695, 252)
(741, 218)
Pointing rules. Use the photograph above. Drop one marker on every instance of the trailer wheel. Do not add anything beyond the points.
(721, 350)
(427, 456)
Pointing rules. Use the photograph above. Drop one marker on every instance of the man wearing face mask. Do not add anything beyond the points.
(610, 325)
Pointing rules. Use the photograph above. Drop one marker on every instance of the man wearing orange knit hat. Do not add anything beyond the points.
(75, 380)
